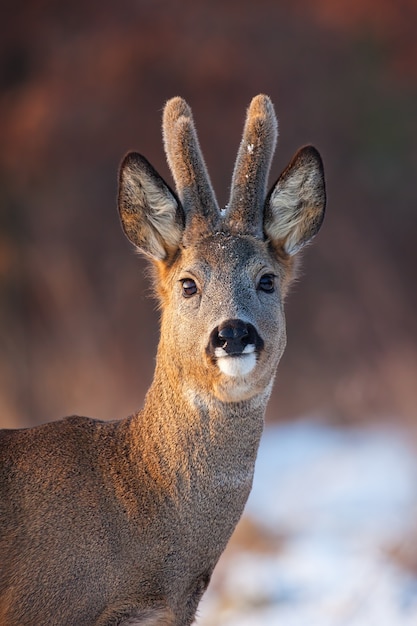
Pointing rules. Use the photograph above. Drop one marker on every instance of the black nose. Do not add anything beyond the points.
(233, 336)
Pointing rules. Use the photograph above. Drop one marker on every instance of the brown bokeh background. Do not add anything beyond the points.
(83, 82)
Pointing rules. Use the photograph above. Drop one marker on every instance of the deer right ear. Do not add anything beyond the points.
(294, 208)
(151, 215)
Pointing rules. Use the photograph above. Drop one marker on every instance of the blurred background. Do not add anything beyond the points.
(84, 82)
(81, 83)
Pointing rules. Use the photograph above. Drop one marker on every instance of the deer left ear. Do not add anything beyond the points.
(294, 208)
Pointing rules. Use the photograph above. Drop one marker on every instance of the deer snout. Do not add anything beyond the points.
(234, 345)
(234, 337)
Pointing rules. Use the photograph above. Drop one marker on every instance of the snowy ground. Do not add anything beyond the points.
(328, 508)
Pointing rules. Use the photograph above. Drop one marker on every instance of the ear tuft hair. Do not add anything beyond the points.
(294, 209)
(150, 213)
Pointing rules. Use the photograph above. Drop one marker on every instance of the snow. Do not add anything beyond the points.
(342, 499)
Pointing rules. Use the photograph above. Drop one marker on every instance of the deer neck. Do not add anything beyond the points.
(194, 440)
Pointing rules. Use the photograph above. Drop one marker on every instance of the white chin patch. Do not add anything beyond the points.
(236, 366)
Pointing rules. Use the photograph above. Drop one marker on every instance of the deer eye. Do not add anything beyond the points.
(189, 287)
(267, 283)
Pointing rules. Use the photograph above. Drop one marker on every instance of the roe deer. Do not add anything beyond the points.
(117, 523)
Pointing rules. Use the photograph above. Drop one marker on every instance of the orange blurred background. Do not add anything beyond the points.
(83, 82)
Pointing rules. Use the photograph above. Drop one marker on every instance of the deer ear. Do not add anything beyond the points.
(294, 208)
(151, 215)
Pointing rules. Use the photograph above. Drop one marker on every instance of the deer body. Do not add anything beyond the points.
(121, 523)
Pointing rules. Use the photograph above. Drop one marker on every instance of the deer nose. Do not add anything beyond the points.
(233, 336)
(232, 332)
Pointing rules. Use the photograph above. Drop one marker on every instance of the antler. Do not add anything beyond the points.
(187, 165)
(253, 162)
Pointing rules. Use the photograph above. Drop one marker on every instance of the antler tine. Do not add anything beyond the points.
(253, 162)
(186, 163)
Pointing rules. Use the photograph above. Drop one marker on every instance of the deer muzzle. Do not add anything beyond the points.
(234, 346)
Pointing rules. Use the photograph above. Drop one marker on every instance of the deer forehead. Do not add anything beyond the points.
(226, 257)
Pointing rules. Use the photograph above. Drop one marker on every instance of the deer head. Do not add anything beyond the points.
(222, 275)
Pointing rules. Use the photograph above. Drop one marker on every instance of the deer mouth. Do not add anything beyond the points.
(236, 364)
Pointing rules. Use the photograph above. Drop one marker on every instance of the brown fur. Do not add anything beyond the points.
(121, 523)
